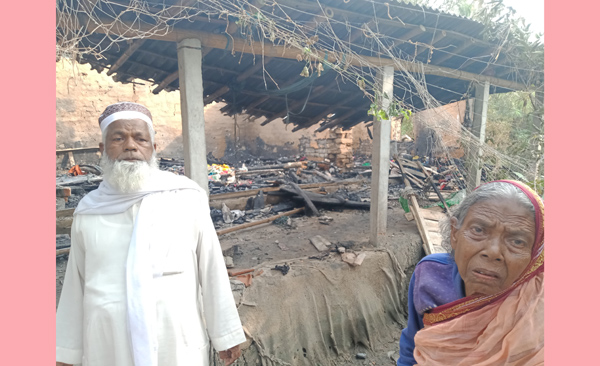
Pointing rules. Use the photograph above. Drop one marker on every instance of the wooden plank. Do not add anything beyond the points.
(254, 192)
(409, 163)
(294, 164)
(62, 251)
(311, 206)
(77, 150)
(415, 181)
(432, 215)
(415, 173)
(439, 249)
(427, 245)
(436, 238)
(257, 172)
(431, 226)
(259, 222)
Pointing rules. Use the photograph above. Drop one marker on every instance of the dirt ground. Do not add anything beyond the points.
(270, 244)
(278, 242)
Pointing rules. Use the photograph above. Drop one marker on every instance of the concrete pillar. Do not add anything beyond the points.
(480, 107)
(381, 160)
(189, 57)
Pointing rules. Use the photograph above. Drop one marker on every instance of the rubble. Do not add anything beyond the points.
(320, 243)
(257, 192)
(284, 269)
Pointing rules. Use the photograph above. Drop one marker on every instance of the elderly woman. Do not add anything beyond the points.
(483, 304)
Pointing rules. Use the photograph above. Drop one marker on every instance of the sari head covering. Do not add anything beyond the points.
(506, 328)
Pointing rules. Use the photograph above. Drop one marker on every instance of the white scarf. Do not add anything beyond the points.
(141, 303)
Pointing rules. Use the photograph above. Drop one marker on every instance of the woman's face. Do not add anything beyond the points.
(493, 245)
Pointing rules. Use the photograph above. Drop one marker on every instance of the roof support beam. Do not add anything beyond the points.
(325, 113)
(335, 122)
(241, 77)
(189, 55)
(407, 36)
(455, 52)
(380, 161)
(175, 75)
(125, 56)
(271, 50)
(260, 101)
(297, 103)
(482, 95)
(438, 37)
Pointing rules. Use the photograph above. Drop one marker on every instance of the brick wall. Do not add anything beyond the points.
(82, 94)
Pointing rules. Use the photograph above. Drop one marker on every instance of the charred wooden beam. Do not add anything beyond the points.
(126, 55)
(263, 99)
(175, 75)
(312, 210)
(241, 77)
(325, 113)
(337, 120)
(259, 222)
(319, 90)
(329, 200)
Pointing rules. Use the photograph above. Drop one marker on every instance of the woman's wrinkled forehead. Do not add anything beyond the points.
(510, 213)
(532, 198)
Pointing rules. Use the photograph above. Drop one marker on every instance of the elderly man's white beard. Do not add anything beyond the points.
(127, 176)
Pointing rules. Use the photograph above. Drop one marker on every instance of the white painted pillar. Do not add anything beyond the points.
(380, 160)
(189, 57)
(482, 96)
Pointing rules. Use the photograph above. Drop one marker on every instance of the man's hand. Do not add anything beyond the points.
(230, 355)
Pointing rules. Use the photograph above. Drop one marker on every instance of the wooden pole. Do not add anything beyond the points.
(482, 95)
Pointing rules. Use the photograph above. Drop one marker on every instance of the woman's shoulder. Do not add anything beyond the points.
(442, 258)
(437, 282)
(437, 267)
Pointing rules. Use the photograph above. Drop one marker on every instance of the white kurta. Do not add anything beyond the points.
(193, 297)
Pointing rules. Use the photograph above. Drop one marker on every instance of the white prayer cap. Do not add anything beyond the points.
(124, 110)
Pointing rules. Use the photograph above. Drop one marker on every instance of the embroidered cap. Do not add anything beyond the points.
(124, 110)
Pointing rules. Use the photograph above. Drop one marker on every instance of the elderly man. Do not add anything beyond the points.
(146, 283)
